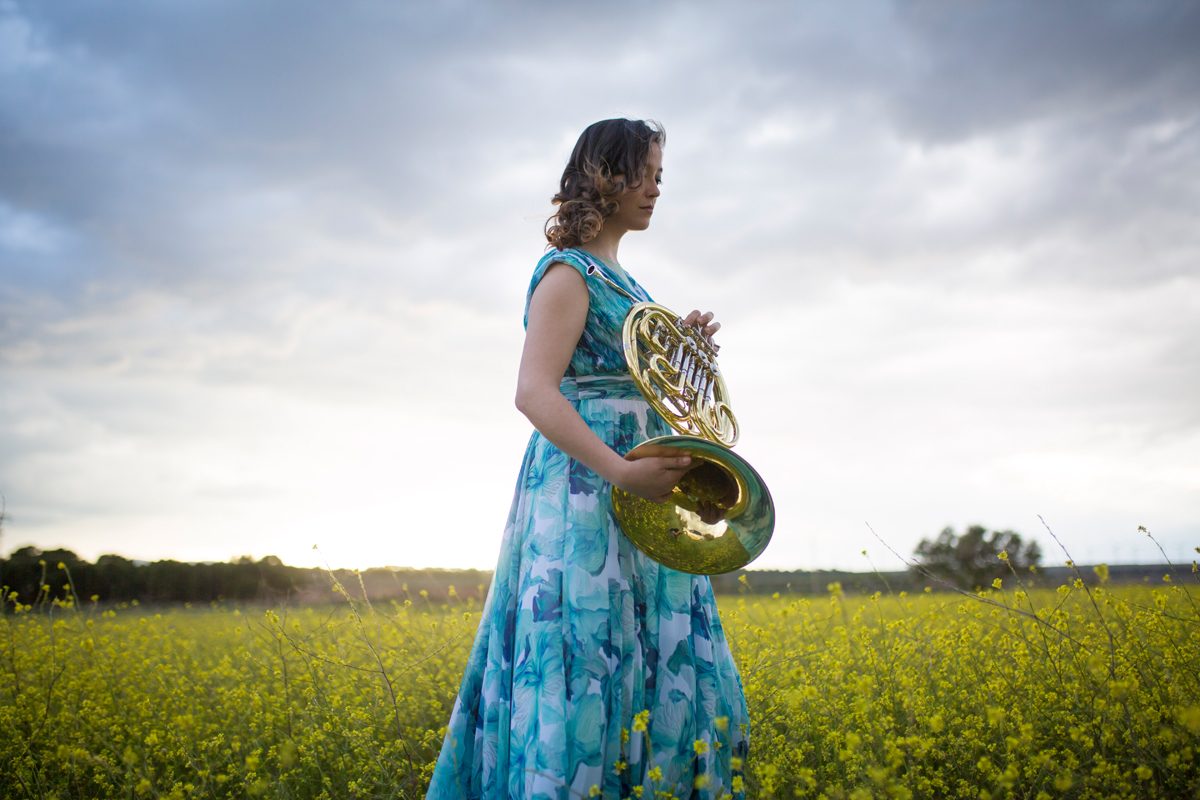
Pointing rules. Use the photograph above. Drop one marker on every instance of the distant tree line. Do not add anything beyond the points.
(968, 561)
(113, 578)
(35, 574)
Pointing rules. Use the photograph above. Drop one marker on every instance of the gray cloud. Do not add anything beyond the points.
(379, 109)
(326, 205)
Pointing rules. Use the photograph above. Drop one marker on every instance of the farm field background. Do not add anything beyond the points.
(1076, 692)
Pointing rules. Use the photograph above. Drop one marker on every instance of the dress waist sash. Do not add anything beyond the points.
(591, 387)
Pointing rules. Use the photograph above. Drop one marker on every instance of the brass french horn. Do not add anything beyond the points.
(720, 516)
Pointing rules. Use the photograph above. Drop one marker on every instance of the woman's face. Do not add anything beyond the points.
(636, 203)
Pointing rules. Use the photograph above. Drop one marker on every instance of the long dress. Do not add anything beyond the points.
(595, 669)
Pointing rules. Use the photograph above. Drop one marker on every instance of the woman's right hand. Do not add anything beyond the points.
(653, 476)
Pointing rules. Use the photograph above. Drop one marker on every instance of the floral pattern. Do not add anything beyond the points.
(595, 670)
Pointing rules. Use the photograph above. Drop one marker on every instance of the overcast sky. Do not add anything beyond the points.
(263, 265)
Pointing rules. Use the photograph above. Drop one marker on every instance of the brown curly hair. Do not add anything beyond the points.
(608, 154)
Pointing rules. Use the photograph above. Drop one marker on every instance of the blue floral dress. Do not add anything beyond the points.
(595, 669)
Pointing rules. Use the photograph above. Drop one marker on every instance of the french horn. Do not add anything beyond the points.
(720, 515)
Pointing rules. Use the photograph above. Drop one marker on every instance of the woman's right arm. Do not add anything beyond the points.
(557, 315)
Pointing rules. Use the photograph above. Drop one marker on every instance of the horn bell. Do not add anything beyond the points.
(719, 517)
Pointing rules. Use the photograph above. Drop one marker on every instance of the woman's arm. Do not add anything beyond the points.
(557, 315)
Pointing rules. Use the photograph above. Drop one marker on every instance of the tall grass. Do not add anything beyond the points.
(1006, 692)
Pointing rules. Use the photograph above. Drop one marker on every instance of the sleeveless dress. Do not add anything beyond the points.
(595, 669)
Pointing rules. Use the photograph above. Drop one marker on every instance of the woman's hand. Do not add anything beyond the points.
(705, 323)
(652, 477)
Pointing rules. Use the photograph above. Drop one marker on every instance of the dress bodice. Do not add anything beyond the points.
(599, 351)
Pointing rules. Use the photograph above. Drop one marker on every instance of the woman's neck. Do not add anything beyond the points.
(604, 246)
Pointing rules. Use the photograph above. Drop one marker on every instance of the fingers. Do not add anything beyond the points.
(673, 468)
(654, 477)
(652, 451)
(703, 321)
(668, 458)
(677, 466)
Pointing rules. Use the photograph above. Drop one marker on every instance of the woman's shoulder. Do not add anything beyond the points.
(570, 256)
(573, 258)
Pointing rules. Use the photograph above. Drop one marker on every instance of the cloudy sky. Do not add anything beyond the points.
(263, 265)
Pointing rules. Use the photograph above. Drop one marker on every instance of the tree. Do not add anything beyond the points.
(3, 508)
(973, 559)
(117, 579)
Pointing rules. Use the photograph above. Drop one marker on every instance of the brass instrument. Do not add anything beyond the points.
(720, 515)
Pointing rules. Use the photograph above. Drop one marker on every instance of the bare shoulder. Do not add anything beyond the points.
(561, 268)
(559, 302)
(562, 281)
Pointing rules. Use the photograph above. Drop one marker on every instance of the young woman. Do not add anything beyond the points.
(595, 670)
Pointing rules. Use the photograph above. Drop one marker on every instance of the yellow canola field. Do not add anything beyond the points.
(1079, 692)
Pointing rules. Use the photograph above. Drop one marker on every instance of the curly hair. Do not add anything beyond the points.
(607, 156)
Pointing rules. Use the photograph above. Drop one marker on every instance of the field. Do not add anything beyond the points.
(1075, 692)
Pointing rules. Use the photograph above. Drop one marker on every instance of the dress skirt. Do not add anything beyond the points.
(595, 669)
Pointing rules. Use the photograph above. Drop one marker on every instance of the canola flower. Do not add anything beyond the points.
(1014, 692)
(1075, 692)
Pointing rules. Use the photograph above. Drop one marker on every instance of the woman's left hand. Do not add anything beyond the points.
(704, 322)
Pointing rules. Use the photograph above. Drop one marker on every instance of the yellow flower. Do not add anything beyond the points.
(828, 673)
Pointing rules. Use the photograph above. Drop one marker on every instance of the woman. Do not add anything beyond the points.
(595, 669)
